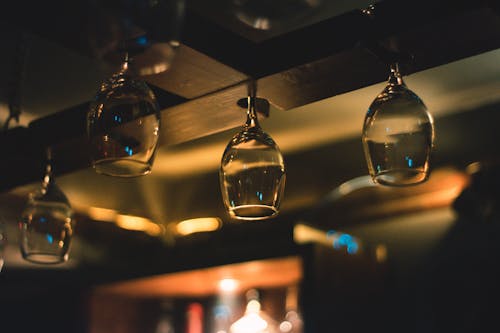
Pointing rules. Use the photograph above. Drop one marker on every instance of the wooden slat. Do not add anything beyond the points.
(203, 116)
(204, 282)
(194, 74)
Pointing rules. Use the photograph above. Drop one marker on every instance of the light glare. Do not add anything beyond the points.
(137, 223)
(203, 224)
(228, 285)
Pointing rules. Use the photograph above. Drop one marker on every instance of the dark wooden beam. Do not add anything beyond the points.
(300, 67)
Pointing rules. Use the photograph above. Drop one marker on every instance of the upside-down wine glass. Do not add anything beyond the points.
(398, 135)
(123, 126)
(46, 223)
(252, 172)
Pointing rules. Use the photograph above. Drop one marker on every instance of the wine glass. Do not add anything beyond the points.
(123, 126)
(252, 172)
(46, 223)
(398, 135)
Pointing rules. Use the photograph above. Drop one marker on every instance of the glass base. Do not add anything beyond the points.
(44, 258)
(119, 167)
(253, 212)
(400, 177)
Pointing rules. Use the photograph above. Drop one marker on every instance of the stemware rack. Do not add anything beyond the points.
(291, 70)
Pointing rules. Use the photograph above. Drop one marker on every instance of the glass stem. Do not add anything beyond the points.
(47, 178)
(252, 120)
(395, 77)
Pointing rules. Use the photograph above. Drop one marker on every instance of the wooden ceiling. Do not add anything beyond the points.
(300, 65)
(332, 52)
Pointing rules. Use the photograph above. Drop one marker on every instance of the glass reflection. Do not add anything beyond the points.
(252, 172)
(46, 224)
(398, 135)
(123, 126)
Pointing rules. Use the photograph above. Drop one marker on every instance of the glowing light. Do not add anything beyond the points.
(228, 285)
(341, 240)
(143, 40)
(381, 253)
(338, 240)
(352, 248)
(203, 224)
(251, 322)
(50, 239)
(137, 223)
(102, 214)
(286, 326)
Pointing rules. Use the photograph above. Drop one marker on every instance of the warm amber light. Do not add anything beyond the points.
(138, 223)
(228, 285)
(102, 214)
(251, 322)
(203, 224)
(381, 253)
(306, 234)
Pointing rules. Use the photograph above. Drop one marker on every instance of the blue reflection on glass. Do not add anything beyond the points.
(409, 160)
(43, 219)
(129, 150)
(232, 203)
(117, 118)
(259, 195)
(379, 167)
(50, 239)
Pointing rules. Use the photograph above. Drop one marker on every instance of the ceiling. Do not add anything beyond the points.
(318, 103)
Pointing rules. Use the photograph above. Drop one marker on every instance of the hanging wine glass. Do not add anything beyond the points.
(123, 125)
(398, 135)
(252, 172)
(46, 223)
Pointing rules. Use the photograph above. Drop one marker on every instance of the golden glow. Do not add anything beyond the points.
(228, 285)
(306, 234)
(203, 224)
(473, 168)
(381, 253)
(251, 322)
(137, 223)
(102, 214)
